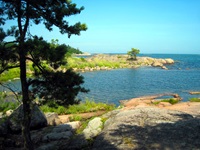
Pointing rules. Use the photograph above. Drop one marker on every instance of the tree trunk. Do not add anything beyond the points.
(26, 103)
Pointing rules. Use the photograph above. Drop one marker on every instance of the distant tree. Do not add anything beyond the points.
(133, 53)
(26, 13)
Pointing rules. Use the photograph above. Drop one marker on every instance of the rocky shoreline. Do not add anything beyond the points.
(139, 124)
(123, 61)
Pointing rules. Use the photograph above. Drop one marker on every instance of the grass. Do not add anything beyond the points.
(15, 73)
(84, 107)
(171, 101)
(6, 105)
(10, 74)
(194, 99)
(82, 63)
(75, 118)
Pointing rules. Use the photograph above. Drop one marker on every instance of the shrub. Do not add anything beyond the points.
(75, 118)
(171, 101)
(61, 110)
(194, 99)
(46, 108)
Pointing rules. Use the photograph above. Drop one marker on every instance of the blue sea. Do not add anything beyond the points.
(122, 84)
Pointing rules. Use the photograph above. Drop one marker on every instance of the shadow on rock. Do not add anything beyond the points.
(150, 128)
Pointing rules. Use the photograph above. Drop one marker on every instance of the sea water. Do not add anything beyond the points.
(122, 84)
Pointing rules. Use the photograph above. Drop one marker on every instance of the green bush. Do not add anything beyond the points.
(61, 110)
(46, 108)
(194, 99)
(171, 101)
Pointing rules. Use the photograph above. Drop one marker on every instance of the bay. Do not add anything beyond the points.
(112, 86)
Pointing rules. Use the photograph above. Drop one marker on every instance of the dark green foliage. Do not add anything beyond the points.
(72, 50)
(2, 35)
(8, 56)
(133, 53)
(26, 13)
(48, 12)
(40, 50)
(60, 87)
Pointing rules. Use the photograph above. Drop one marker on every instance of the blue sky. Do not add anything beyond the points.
(116, 26)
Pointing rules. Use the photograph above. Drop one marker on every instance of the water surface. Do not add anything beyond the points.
(112, 86)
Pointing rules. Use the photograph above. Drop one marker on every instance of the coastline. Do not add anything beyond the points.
(107, 62)
(99, 62)
(136, 120)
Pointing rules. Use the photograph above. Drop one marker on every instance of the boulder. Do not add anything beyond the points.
(163, 61)
(93, 128)
(38, 119)
(1, 115)
(54, 137)
(157, 64)
(9, 112)
(52, 119)
(164, 67)
(169, 61)
(71, 126)
(64, 118)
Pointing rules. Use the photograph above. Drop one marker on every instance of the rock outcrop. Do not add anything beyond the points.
(122, 61)
(38, 119)
(140, 124)
(149, 128)
(54, 137)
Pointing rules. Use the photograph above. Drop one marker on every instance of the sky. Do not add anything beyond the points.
(116, 26)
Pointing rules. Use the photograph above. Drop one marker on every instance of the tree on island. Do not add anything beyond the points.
(133, 53)
(18, 52)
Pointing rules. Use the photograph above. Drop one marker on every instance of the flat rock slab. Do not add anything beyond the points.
(149, 128)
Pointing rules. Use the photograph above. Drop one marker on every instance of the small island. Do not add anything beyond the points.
(109, 61)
